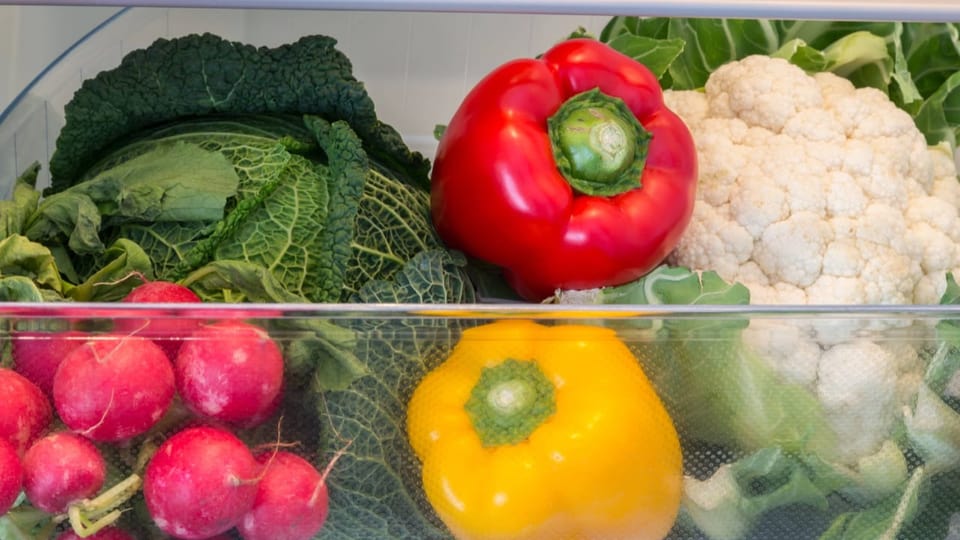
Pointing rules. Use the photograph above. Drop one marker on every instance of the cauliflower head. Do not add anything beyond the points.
(812, 191)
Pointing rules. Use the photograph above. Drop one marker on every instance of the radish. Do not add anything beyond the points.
(200, 482)
(36, 355)
(231, 371)
(114, 387)
(109, 533)
(11, 475)
(292, 500)
(26, 413)
(167, 332)
(60, 469)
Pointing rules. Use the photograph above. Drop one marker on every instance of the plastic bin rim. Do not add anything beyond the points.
(15, 103)
(22, 310)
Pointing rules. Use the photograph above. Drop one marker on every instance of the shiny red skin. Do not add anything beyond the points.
(60, 469)
(114, 387)
(37, 355)
(230, 371)
(200, 483)
(11, 475)
(26, 413)
(167, 332)
(292, 500)
(497, 194)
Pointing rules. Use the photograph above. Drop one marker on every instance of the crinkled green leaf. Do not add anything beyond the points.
(283, 233)
(22, 257)
(393, 225)
(729, 503)
(938, 117)
(167, 244)
(932, 54)
(15, 211)
(933, 429)
(796, 51)
(234, 281)
(431, 277)
(678, 285)
(656, 54)
(884, 519)
(258, 146)
(654, 27)
(375, 488)
(349, 170)
(180, 182)
(21, 289)
(111, 281)
(323, 353)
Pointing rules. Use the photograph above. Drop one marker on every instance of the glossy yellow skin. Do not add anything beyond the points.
(606, 465)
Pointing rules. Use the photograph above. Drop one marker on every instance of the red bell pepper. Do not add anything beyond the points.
(566, 171)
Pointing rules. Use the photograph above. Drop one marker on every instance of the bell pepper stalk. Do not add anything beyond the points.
(566, 171)
(528, 431)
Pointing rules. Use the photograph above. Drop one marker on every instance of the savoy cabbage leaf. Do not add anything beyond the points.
(375, 487)
(205, 75)
(170, 183)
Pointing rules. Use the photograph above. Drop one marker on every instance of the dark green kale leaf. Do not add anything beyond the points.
(205, 75)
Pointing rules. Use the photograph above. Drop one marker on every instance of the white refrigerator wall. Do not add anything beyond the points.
(32, 37)
(416, 66)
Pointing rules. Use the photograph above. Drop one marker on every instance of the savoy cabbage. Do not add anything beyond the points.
(199, 150)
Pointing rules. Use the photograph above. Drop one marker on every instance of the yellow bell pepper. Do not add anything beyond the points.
(529, 431)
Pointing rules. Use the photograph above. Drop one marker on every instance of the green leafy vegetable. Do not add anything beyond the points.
(914, 63)
(933, 423)
(176, 183)
(15, 212)
(24, 259)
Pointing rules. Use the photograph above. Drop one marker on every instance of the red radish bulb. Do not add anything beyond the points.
(60, 469)
(11, 475)
(292, 500)
(26, 413)
(108, 533)
(200, 482)
(113, 388)
(231, 371)
(168, 332)
(36, 355)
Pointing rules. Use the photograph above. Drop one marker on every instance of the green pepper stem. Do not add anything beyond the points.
(509, 402)
(598, 145)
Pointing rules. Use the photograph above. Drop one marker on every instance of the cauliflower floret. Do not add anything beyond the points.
(814, 191)
(857, 384)
(861, 385)
(760, 92)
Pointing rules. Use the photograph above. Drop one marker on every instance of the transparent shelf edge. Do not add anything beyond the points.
(874, 10)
